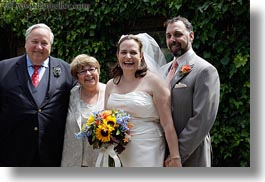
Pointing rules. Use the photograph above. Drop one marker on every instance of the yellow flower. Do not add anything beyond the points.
(90, 120)
(103, 132)
(110, 120)
(106, 113)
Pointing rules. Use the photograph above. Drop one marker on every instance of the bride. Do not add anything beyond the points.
(146, 97)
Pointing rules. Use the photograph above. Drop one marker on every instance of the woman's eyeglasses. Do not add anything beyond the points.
(83, 72)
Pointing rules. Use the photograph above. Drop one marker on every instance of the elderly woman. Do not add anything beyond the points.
(86, 97)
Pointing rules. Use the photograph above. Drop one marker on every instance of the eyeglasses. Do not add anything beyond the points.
(83, 72)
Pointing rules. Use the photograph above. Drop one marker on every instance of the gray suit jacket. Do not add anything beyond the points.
(195, 101)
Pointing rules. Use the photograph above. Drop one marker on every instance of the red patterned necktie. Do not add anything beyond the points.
(172, 71)
(35, 75)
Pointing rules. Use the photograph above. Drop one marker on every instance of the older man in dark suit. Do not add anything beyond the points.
(34, 96)
(195, 90)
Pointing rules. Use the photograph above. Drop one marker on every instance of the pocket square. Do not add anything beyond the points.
(180, 85)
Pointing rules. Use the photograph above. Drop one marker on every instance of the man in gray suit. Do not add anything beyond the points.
(195, 89)
(33, 103)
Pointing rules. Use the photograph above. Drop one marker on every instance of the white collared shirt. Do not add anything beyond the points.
(42, 69)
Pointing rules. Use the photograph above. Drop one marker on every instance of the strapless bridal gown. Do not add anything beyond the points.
(147, 146)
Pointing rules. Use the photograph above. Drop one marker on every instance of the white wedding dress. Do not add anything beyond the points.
(147, 146)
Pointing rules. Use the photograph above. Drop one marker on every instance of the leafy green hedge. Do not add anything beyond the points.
(222, 36)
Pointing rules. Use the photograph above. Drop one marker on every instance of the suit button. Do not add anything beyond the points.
(35, 128)
(39, 110)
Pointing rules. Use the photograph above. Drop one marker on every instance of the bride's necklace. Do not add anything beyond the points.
(88, 98)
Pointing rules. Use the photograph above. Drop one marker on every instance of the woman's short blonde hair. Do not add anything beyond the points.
(81, 61)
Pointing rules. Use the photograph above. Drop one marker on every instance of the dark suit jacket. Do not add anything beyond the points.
(29, 133)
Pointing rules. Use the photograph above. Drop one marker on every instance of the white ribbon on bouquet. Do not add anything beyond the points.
(104, 155)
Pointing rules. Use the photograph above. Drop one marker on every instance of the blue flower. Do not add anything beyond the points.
(120, 128)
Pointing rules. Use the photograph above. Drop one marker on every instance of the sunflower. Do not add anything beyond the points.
(103, 132)
(110, 120)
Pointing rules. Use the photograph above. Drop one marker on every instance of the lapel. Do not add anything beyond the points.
(175, 80)
(76, 101)
(53, 80)
(179, 76)
(23, 78)
(189, 59)
(78, 115)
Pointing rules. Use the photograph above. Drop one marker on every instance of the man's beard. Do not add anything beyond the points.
(181, 51)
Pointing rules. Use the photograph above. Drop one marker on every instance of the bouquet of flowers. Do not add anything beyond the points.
(107, 130)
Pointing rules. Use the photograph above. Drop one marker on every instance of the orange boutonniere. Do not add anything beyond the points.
(185, 69)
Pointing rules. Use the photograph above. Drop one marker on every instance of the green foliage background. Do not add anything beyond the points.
(222, 36)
